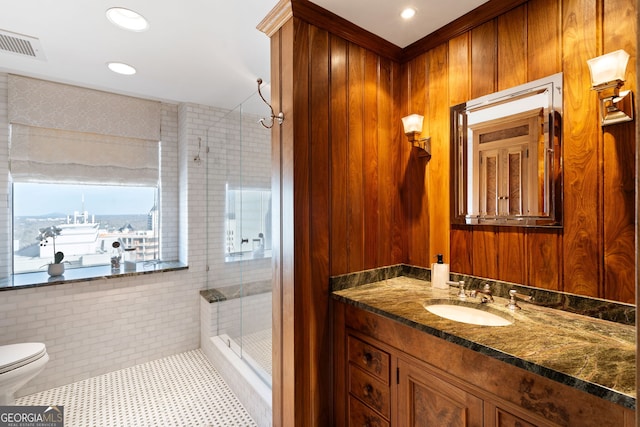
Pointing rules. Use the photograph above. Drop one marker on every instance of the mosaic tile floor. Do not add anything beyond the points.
(180, 390)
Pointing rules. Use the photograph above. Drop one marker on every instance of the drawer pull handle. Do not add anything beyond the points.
(367, 358)
(367, 390)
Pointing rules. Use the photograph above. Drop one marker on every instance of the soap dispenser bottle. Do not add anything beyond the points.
(439, 273)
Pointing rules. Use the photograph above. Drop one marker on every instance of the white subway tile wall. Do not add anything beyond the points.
(240, 155)
(170, 185)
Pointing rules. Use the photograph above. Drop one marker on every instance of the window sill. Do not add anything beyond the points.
(32, 280)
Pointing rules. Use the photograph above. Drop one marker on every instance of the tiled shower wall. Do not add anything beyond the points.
(94, 327)
(240, 155)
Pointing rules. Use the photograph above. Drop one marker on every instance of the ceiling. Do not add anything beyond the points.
(201, 51)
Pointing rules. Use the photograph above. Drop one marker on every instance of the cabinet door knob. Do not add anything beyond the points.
(367, 358)
(367, 390)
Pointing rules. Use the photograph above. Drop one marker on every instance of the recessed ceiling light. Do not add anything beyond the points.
(127, 19)
(121, 68)
(408, 13)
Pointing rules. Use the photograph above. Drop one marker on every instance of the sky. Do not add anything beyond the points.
(40, 199)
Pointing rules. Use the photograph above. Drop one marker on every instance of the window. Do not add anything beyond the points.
(86, 162)
(90, 218)
(95, 189)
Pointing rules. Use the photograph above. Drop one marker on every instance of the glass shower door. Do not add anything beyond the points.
(239, 232)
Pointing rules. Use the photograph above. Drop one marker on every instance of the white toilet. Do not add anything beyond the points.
(18, 364)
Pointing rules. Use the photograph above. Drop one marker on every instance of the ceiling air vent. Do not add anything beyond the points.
(21, 45)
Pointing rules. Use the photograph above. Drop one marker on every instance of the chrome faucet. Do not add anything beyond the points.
(514, 296)
(460, 284)
(487, 294)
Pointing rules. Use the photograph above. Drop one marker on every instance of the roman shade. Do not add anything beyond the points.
(51, 105)
(70, 134)
(46, 155)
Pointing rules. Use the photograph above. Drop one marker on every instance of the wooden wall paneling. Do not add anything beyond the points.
(319, 330)
(582, 211)
(544, 260)
(543, 248)
(512, 71)
(303, 280)
(438, 165)
(415, 180)
(483, 59)
(511, 255)
(459, 70)
(461, 259)
(485, 252)
(403, 151)
(461, 241)
(339, 255)
(512, 48)
(619, 168)
(355, 236)
(386, 191)
(370, 157)
(284, 303)
(544, 45)
(483, 81)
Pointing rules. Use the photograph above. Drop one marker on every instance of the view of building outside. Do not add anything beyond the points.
(89, 218)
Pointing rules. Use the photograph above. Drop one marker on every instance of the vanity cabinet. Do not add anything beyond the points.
(390, 374)
(368, 384)
(425, 399)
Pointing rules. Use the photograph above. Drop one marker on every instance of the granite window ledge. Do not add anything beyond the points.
(84, 274)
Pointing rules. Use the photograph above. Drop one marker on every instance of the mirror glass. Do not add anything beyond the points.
(506, 157)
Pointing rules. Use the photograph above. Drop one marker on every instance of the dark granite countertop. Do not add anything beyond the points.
(593, 355)
(85, 274)
(225, 293)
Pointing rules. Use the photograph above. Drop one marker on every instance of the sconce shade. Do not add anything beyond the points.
(413, 128)
(608, 68)
(412, 123)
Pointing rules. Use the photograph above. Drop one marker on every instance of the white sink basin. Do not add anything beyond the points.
(464, 314)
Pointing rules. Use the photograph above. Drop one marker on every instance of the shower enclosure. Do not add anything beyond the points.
(238, 207)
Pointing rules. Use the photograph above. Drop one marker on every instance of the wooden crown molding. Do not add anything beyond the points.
(467, 22)
(322, 18)
(276, 18)
(329, 21)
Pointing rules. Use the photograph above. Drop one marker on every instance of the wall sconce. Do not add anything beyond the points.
(412, 128)
(607, 77)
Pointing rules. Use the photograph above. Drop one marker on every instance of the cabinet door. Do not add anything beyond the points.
(508, 415)
(427, 399)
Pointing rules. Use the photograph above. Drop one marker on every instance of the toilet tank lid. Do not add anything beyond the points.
(13, 354)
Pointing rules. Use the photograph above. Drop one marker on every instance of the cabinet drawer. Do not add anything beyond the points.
(361, 416)
(370, 358)
(370, 390)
